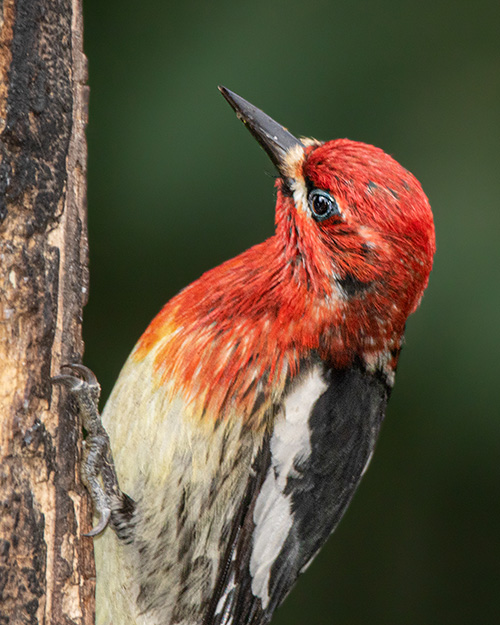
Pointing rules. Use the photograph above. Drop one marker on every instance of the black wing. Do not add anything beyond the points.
(343, 424)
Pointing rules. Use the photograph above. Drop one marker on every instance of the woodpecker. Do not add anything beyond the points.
(247, 413)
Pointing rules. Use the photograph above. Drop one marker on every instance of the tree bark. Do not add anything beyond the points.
(46, 566)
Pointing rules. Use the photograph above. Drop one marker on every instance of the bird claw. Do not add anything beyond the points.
(84, 381)
(97, 468)
(85, 373)
(102, 525)
(69, 381)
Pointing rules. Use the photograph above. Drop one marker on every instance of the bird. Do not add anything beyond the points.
(243, 420)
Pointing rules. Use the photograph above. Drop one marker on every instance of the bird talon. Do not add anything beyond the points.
(97, 467)
(85, 389)
(86, 374)
(102, 525)
(69, 381)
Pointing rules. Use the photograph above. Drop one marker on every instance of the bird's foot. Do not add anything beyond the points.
(98, 469)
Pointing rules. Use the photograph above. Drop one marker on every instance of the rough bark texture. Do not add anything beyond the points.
(46, 567)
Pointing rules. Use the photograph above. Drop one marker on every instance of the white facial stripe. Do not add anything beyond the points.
(292, 169)
(299, 190)
(292, 162)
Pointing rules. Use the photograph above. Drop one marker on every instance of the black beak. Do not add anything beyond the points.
(275, 139)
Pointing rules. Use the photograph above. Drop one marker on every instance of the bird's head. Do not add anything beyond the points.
(354, 224)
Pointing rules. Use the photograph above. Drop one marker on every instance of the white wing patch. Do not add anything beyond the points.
(290, 443)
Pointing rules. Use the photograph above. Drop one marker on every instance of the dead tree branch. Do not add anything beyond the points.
(46, 568)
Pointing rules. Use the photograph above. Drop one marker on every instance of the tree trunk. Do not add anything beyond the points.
(46, 566)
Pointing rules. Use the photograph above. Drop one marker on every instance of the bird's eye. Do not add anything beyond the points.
(322, 205)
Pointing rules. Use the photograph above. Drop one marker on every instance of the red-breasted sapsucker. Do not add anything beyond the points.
(248, 411)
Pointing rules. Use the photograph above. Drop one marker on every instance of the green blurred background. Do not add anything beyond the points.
(177, 185)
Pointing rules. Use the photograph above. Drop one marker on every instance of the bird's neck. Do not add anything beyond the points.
(232, 340)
